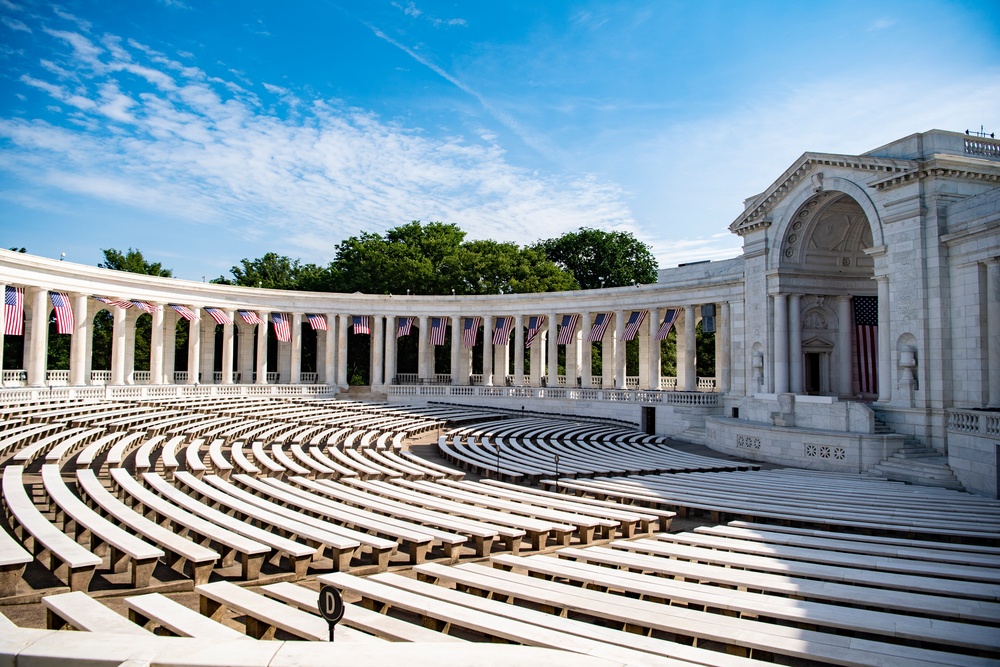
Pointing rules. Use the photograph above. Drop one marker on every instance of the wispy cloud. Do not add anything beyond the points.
(410, 9)
(882, 24)
(14, 24)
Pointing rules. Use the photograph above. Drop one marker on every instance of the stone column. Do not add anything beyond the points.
(992, 330)
(501, 363)
(518, 350)
(244, 357)
(456, 350)
(262, 331)
(653, 360)
(38, 348)
(620, 370)
(884, 344)
(723, 347)
(295, 350)
(553, 350)
(169, 344)
(344, 322)
(377, 347)
(780, 344)
(535, 362)
(690, 352)
(156, 345)
(131, 319)
(608, 355)
(642, 335)
(845, 370)
(795, 343)
(208, 350)
(118, 343)
(194, 348)
(587, 350)
(423, 343)
(573, 359)
(488, 351)
(390, 350)
(227, 350)
(78, 349)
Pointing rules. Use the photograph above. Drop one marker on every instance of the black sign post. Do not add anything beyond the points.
(331, 606)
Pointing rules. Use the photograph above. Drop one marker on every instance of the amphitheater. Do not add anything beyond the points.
(827, 496)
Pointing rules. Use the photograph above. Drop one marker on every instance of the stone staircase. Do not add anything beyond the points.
(915, 464)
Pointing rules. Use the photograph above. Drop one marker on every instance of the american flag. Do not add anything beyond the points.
(149, 308)
(218, 315)
(115, 302)
(184, 312)
(64, 312)
(361, 324)
(317, 322)
(282, 330)
(535, 324)
(250, 317)
(501, 335)
(567, 329)
(669, 318)
(866, 330)
(14, 307)
(635, 321)
(470, 328)
(404, 327)
(439, 327)
(601, 321)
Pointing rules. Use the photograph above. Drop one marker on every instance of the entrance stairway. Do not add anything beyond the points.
(915, 464)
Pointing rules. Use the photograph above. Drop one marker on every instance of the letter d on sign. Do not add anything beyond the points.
(331, 606)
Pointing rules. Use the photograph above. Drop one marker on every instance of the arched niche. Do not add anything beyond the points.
(829, 234)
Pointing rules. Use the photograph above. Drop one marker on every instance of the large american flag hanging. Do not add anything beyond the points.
(439, 327)
(219, 316)
(317, 322)
(405, 327)
(567, 329)
(866, 330)
(470, 329)
(250, 317)
(635, 321)
(669, 318)
(501, 335)
(600, 326)
(282, 329)
(185, 312)
(64, 312)
(115, 302)
(14, 311)
(535, 324)
(361, 324)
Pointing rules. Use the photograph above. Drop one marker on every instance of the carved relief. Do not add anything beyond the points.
(814, 319)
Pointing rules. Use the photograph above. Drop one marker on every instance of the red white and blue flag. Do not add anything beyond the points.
(64, 312)
(866, 331)
(282, 327)
(470, 329)
(535, 324)
(600, 325)
(121, 303)
(142, 305)
(184, 312)
(14, 311)
(567, 329)
(361, 324)
(317, 322)
(635, 321)
(250, 317)
(405, 327)
(501, 335)
(218, 315)
(439, 327)
(669, 318)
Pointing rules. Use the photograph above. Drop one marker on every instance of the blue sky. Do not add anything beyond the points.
(205, 132)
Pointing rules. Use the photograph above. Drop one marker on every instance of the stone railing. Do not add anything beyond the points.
(141, 377)
(57, 378)
(100, 377)
(309, 378)
(677, 398)
(180, 377)
(15, 378)
(974, 422)
(983, 147)
(162, 391)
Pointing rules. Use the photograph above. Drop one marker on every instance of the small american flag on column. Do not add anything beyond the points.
(439, 328)
(218, 315)
(185, 312)
(121, 303)
(866, 330)
(501, 335)
(535, 324)
(14, 311)
(635, 321)
(404, 327)
(250, 317)
(316, 322)
(599, 327)
(669, 318)
(361, 324)
(470, 328)
(149, 308)
(567, 329)
(64, 312)
(282, 328)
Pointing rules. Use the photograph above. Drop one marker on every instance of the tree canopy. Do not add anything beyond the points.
(593, 254)
(132, 261)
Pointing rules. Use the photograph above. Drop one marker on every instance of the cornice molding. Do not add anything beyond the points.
(941, 167)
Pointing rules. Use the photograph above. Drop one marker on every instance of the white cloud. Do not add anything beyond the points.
(14, 24)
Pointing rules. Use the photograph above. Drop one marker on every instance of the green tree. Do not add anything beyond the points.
(598, 258)
(132, 261)
(274, 271)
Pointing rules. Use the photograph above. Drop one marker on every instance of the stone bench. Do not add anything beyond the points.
(241, 461)
(153, 610)
(78, 610)
(340, 470)
(64, 439)
(220, 466)
(417, 461)
(13, 560)
(192, 458)
(62, 555)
